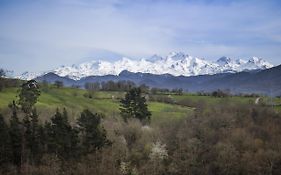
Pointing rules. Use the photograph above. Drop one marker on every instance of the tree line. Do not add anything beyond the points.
(124, 85)
(24, 140)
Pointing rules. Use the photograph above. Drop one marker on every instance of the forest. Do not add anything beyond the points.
(203, 134)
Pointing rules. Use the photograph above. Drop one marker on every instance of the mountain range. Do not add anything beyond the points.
(267, 82)
(177, 70)
(176, 64)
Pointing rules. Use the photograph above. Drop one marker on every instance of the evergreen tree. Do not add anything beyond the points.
(35, 139)
(15, 133)
(93, 134)
(28, 96)
(62, 138)
(26, 139)
(134, 106)
(4, 142)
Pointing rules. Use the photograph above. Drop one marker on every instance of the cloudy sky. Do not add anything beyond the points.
(43, 34)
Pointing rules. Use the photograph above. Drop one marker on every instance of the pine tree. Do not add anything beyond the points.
(35, 142)
(72, 137)
(4, 142)
(26, 139)
(15, 133)
(93, 134)
(134, 106)
(62, 138)
(28, 96)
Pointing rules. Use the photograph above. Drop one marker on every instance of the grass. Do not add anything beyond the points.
(212, 100)
(74, 101)
(102, 102)
(7, 96)
(164, 111)
(276, 102)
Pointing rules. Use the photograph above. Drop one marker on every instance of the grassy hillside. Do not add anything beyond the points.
(211, 100)
(74, 101)
(107, 102)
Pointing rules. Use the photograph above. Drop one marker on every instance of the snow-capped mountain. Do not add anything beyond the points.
(176, 63)
(30, 75)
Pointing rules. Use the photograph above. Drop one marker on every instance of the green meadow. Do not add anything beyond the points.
(74, 100)
(107, 102)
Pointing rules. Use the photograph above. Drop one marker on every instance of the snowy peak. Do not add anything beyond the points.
(257, 63)
(175, 63)
(260, 62)
(30, 75)
(255, 60)
(240, 61)
(224, 60)
(177, 56)
(154, 58)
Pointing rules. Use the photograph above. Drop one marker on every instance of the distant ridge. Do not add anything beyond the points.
(176, 63)
(266, 82)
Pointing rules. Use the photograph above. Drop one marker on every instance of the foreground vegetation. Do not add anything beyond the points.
(188, 134)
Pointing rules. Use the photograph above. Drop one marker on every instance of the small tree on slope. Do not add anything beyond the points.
(134, 106)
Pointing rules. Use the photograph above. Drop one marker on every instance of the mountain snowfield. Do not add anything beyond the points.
(176, 63)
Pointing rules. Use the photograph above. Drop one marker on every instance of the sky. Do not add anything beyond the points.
(39, 35)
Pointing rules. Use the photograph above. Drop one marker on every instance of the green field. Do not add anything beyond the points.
(107, 102)
(212, 100)
(102, 102)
